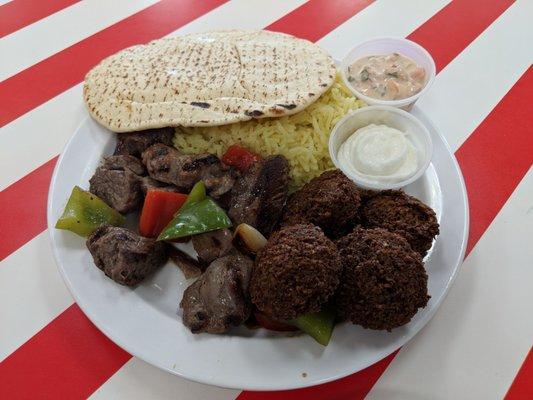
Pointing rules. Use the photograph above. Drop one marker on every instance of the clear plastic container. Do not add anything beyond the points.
(416, 132)
(388, 45)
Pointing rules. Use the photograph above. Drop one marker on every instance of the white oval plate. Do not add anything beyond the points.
(144, 321)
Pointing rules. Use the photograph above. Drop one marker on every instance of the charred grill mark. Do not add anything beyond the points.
(254, 113)
(200, 104)
(116, 168)
(208, 160)
(287, 106)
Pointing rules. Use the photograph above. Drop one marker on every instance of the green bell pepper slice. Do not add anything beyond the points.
(85, 212)
(197, 194)
(200, 217)
(319, 326)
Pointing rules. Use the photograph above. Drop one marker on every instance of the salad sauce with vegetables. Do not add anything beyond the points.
(387, 77)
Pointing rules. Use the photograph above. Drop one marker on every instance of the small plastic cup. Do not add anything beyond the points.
(393, 117)
(388, 45)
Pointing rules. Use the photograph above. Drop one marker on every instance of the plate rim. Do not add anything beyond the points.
(298, 384)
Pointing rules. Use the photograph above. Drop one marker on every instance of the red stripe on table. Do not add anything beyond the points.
(23, 208)
(453, 28)
(78, 363)
(53, 364)
(17, 14)
(522, 387)
(52, 76)
(497, 155)
(317, 18)
(355, 386)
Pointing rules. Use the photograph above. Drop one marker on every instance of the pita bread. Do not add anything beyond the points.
(207, 79)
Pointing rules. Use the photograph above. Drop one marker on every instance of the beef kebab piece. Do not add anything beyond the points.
(121, 179)
(166, 164)
(125, 256)
(258, 197)
(118, 182)
(134, 143)
(219, 299)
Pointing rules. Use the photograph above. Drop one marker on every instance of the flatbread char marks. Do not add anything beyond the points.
(240, 74)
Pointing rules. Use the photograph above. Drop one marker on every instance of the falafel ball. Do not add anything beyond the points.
(295, 273)
(402, 214)
(330, 201)
(383, 283)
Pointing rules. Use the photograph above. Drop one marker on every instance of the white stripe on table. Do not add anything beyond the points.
(35, 42)
(44, 131)
(472, 84)
(137, 380)
(241, 14)
(383, 18)
(476, 342)
(31, 293)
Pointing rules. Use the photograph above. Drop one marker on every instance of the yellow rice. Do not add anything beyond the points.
(302, 138)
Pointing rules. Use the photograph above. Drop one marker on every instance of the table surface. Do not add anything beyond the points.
(478, 346)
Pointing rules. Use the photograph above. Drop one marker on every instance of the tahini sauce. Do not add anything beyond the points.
(379, 153)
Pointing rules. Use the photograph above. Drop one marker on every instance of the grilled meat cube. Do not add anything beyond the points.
(148, 183)
(166, 164)
(117, 182)
(212, 245)
(124, 256)
(134, 143)
(219, 299)
(259, 195)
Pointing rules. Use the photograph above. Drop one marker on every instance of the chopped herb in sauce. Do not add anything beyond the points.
(388, 76)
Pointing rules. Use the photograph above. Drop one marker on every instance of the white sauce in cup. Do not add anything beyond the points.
(379, 153)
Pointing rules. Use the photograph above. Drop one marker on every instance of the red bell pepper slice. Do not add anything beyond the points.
(239, 157)
(158, 210)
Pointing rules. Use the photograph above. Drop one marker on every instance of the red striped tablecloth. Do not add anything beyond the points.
(478, 346)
